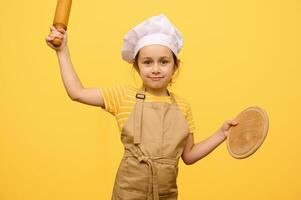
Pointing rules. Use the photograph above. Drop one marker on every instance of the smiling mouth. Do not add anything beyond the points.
(156, 78)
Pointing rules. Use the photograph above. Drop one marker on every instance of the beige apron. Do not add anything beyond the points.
(153, 137)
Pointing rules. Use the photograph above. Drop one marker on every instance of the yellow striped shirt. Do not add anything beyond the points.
(119, 100)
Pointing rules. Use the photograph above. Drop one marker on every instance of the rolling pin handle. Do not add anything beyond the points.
(58, 41)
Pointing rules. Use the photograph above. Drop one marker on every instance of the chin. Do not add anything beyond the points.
(156, 86)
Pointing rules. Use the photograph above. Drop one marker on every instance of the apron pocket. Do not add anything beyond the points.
(133, 176)
(167, 178)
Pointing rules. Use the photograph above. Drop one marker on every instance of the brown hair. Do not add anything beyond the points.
(176, 66)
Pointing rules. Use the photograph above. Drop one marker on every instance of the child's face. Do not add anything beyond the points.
(156, 66)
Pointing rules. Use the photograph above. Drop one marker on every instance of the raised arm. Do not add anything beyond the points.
(73, 86)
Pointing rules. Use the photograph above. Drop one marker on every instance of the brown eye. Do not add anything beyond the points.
(164, 61)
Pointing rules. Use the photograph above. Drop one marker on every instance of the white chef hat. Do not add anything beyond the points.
(155, 30)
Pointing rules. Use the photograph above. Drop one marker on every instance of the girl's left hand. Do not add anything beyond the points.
(227, 125)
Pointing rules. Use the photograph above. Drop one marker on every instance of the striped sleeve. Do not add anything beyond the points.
(186, 110)
(189, 118)
(113, 97)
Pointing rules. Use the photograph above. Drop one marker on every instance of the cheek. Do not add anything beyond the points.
(143, 74)
(145, 70)
(169, 70)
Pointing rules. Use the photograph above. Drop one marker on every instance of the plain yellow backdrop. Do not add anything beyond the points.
(236, 54)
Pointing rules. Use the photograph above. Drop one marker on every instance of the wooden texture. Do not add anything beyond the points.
(61, 17)
(245, 138)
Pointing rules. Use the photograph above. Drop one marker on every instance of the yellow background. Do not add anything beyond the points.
(236, 54)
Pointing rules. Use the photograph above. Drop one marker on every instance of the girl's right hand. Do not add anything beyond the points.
(59, 33)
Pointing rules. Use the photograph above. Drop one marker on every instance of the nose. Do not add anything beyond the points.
(156, 68)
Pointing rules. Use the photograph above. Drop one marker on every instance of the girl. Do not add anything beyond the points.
(156, 125)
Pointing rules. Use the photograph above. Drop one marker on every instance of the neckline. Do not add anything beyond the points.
(171, 96)
(143, 89)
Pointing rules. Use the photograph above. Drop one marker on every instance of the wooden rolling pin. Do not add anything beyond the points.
(61, 18)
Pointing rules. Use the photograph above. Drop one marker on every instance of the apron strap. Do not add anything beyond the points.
(140, 96)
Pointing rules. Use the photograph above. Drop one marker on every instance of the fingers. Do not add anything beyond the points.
(55, 33)
(229, 123)
(52, 37)
(61, 30)
(232, 122)
(52, 28)
(50, 44)
(58, 31)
